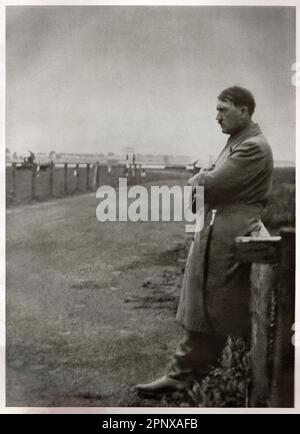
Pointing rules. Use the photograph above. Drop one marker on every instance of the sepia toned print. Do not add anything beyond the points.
(150, 206)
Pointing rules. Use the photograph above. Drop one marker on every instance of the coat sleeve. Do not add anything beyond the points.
(238, 170)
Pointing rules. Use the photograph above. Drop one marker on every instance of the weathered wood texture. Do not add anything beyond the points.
(272, 273)
(259, 250)
(282, 394)
(264, 278)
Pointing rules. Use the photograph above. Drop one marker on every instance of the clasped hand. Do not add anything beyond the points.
(193, 181)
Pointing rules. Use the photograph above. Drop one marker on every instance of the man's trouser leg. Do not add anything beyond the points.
(195, 356)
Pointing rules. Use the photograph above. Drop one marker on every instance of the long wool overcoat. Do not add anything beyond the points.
(216, 289)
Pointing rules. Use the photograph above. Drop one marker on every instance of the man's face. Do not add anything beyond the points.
(229, 116)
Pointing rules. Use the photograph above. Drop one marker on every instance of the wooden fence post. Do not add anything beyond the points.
(51, 178)
(33, 170)
(282, 393)
(140, 172)
(264, 278)
(97, 175)
(77, 177)
(87, 177)
(66, 178)
(263, 254)
(13, 180)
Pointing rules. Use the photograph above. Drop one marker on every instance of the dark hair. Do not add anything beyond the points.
(239, 96)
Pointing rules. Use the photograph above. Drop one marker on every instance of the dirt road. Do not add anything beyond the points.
(90, 306)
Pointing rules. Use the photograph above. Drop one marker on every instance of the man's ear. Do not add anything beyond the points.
(244, 110)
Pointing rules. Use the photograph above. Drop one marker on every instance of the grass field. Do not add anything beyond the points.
(90, 306)
(280, 210)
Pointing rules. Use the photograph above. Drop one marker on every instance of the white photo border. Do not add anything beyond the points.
(133, 410)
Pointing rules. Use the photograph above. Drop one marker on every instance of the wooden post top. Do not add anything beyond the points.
(263, 250)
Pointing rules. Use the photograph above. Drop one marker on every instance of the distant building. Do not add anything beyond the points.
(111, 159)
(42, 157)
(128, 154)
(160, 161)
(177, 160)
(52, 155)
(115, 159)
(282, 163)
(80, 158)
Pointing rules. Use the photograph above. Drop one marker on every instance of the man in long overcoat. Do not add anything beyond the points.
(214, 300)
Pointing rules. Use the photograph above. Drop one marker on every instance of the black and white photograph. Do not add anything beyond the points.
(150, 206)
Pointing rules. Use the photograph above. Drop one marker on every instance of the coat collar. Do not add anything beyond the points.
(233, 141)
(250, 131)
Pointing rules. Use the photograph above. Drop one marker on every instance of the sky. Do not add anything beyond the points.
(88, 79)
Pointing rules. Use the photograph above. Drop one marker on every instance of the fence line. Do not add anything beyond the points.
(83, 181)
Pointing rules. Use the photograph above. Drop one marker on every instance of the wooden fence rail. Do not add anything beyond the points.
(272, 297)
